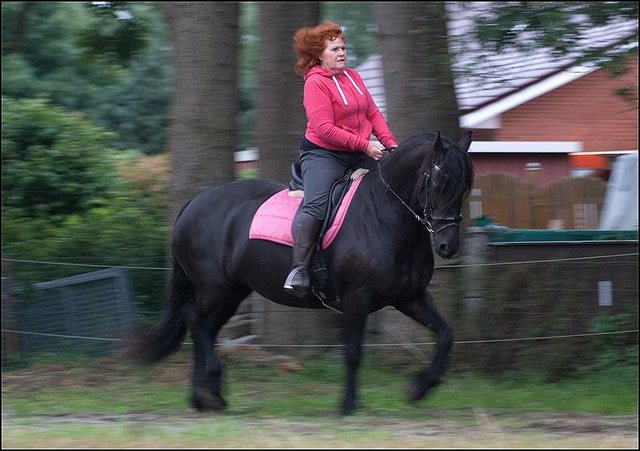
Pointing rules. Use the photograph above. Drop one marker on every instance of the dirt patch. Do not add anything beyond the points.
(444, 430)
(585, 424)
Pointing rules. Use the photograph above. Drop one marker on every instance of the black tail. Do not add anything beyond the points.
(165, 338)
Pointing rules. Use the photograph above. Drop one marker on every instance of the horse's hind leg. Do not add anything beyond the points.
(423, 310)
(207, 372)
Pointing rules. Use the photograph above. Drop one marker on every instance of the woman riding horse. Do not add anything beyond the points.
(404, 210)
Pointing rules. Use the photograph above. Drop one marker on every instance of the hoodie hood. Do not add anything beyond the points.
(319, 70)
(323, 72)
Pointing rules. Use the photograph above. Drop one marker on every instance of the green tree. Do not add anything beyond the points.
(137, 107)
(39, 54)
(53, 163)
(42, 32)
(110, 61)
(113, 32)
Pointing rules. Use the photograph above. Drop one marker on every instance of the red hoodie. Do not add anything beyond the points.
(341, 112)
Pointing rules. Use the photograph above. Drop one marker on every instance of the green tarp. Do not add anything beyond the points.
(501, 234)
(529, 235)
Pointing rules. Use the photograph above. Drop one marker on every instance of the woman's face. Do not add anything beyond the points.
(334, 57)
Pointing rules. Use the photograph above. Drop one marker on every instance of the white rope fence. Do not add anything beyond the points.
(376, 345)
(525, 262)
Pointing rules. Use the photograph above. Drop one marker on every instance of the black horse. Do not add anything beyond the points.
(382, 256)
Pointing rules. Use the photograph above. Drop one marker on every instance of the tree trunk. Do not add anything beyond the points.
(202, 134)
(418, 78)
(280, 118)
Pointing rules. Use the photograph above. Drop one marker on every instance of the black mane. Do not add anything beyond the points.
(453, 162)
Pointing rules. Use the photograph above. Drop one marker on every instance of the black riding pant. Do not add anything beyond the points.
(320, 170)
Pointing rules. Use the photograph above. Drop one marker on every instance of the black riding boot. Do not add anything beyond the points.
(298, 280)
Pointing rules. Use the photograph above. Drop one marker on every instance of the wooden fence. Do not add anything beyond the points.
(569, 203)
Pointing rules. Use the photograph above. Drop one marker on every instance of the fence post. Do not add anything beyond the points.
(475, 245)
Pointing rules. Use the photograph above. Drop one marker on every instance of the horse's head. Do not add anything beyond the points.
(448, 178)
(435, 194)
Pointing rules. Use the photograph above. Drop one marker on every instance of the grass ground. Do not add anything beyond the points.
(292, 404)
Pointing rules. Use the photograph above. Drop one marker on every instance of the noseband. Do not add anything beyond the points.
(427, 218)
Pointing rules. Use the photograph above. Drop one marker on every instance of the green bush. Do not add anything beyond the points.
(614, 348)
(64, 201)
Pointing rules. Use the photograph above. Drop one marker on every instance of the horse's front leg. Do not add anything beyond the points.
(354, 331)
(422, 309)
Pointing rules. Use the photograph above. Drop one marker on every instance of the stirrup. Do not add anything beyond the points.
(299, 290)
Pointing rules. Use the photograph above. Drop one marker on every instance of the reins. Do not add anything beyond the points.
(427, 217)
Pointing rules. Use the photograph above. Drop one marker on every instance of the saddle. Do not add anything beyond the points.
(321, 284)
(336, 195)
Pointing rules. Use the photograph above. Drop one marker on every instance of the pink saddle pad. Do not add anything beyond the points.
(274, 218)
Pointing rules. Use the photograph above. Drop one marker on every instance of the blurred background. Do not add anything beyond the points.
(114, 114)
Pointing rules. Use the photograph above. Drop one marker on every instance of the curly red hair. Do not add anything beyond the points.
(309, 43)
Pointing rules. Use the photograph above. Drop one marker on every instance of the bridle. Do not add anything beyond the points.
(428, 218)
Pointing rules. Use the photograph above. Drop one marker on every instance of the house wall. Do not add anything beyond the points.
(553, 166)
(586, 110)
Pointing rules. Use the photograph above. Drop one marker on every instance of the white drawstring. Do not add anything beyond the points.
(353, 82)
(344, 99)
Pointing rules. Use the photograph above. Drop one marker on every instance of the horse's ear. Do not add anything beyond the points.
(465, 141)
(438, 148)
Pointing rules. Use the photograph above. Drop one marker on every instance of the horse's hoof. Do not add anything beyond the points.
(346, 411)
(420, 388)
(349, 407)
(415, 392)
(208, 401)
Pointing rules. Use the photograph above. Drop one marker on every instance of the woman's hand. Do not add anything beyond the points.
(374, 150)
